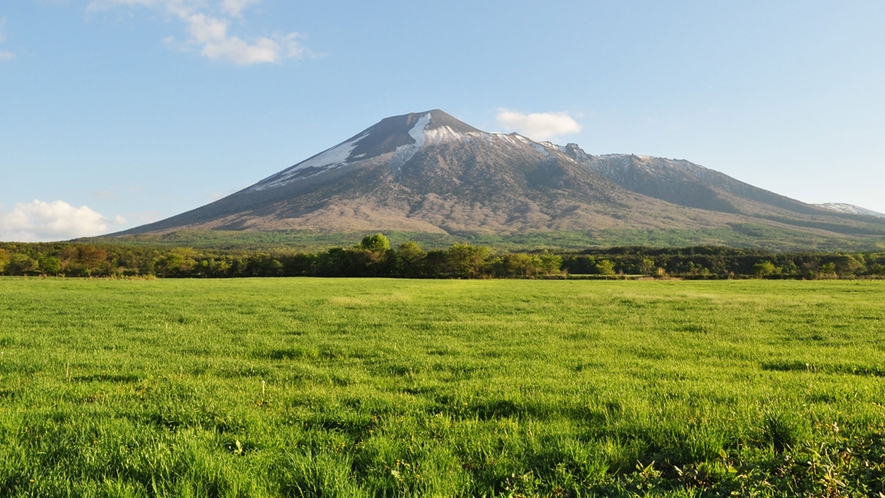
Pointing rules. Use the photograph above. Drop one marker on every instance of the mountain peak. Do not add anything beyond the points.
(440, 119)
(400, 136)
(430, 172)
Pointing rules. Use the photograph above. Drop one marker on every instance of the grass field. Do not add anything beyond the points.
(324, 387)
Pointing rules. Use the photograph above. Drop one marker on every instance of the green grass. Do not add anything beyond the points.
(324, 387)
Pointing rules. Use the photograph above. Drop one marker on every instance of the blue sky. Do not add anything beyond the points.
(115, 113)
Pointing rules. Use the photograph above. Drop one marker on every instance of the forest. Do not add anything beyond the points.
(374, 257)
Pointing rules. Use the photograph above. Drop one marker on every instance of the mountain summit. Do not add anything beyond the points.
(429, 172)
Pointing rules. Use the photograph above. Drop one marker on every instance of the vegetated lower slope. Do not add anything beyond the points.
(362, 387)
(430, 173)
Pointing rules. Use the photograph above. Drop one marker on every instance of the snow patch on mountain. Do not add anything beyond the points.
(445, 134)
(661, 164)
(619, 166)
(841, 207)
(403, 153)
(543, 150)
(510, 138)
(417, 131)
(324, 161)
(520, 138)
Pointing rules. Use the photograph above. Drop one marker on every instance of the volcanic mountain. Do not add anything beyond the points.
(429, 172)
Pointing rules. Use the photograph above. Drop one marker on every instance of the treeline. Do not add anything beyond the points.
(374, 257)
(723, 262)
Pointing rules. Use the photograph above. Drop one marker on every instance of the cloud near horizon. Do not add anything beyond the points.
(40, 221)
(207, 28)
(538, 126)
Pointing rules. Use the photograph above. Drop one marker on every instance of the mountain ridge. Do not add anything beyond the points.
(429, 172)
(843, 207)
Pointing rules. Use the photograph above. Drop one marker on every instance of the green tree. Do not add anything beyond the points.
(49, 264)
(4, 259)
(763, 268)
(790, 268)
(370, 258)
(551, 263)
(332, 263)
(605, 267)
(827, 270)
(363, 262)
(375, 243)
(410, 260)
(21, 264)
(466, 261)
(519, 265)
(177, 263)
(847, 264)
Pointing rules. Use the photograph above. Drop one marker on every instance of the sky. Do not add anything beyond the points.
(116, 113)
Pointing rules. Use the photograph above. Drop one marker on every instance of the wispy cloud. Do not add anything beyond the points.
(5, 55)
(538, 126)
(39, 221)
(235, 7)
(207, 26)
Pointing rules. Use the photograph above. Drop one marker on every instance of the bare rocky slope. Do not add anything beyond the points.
(429, 172)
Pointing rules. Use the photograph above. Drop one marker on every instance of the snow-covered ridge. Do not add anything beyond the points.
(841, 207)
(548, 150)
(619, 166)
(341, 155)
(422, 134)
(444, 134)
(329, 159)
(650, 163)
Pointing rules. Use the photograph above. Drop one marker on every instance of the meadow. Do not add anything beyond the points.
(389, 387)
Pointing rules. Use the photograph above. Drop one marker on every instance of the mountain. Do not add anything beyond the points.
(429, 172)
(840, 207)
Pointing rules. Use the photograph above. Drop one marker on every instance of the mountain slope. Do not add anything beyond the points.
(428, 172)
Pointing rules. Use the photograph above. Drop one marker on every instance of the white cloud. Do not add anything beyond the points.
(210, 33)
(5, 56)
(207, 28)
(538, 126)
(39, 221)
(236, 7)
